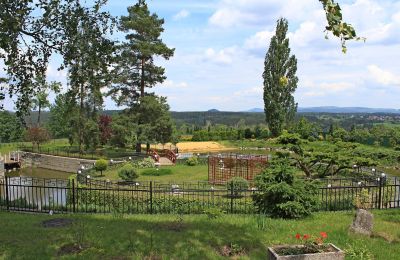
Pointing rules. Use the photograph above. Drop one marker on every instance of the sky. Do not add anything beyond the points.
(221, 45)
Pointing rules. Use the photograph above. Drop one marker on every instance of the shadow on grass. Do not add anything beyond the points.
(138, 237)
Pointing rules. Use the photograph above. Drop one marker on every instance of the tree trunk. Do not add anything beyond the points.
(142, 80)
(80, 130)
(138, 147)
(39, 112)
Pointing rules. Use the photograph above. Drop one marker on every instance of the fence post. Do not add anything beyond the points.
(7, 199)
(231, 198)
(151, 197)
(73, 195)
(380, 193)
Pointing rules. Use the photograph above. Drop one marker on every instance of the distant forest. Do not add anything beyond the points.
(250, 119)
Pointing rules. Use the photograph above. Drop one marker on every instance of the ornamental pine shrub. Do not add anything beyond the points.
(281, 194)
(192, 161)
(236, 185)
(128, 172)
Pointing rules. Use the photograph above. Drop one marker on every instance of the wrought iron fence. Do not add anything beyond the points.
(150, 197)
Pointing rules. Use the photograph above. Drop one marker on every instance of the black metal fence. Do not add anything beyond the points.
(94, 196)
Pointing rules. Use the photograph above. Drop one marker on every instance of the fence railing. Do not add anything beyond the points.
(150, 197)
(92, 155)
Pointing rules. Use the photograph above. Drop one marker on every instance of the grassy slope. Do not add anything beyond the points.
(180, 173)
(135, 237)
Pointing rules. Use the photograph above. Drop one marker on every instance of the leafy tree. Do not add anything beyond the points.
(10, 127)
(101, 165)
(236, 185)
(105, 128)
(31, 32)
(281, 194)
(336, 25)
(154, 120)
(280, 81)
(41, 100)
(37, 136)
(63, 115)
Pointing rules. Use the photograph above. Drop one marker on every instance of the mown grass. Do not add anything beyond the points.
(181, 173)
(22, 236)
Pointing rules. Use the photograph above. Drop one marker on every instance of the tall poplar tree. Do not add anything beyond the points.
(280, 81)
(135, 70)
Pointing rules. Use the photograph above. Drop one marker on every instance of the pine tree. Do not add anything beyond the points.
(135, 70)
(280, 81)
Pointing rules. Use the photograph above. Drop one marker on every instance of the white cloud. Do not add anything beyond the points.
(383, 77)
(224, 56)
(260, 40)
(181, 15)
(174, 85)
(250, 92)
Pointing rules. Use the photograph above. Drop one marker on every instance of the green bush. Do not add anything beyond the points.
(192, 161)
(157, 172)
(282, 195)
(128, 172)
(236, 185)
(214, 213)
(287, 138)
(101, 165)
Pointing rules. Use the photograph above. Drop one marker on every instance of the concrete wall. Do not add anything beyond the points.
(57, 163)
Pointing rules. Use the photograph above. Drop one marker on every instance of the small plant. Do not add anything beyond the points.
(157, 172)
(233, 250)
(214, 213)
(262, 221)
(358, 253)
(128, 172)
(363, 200)
(236, 185)
(78, 230)
(192, 161)
(311, 244)
(101, 165)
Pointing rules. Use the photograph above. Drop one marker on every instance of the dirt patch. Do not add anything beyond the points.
(233, 251)
(174, 226)
(389, 238)
(57, 223)
(70, 249)
(198, 147)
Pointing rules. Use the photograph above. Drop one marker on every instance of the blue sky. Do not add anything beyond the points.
(221, 44)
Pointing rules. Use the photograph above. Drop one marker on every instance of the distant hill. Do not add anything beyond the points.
(213, 110)
(256, 110)
(338, 110)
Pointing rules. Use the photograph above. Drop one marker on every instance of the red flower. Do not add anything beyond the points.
(298, 236)
(306, 236)
(323, 234)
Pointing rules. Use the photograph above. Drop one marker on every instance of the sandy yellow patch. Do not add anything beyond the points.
(196, 147)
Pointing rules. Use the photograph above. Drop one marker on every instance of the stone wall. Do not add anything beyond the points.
(1, 167)
(58, 163)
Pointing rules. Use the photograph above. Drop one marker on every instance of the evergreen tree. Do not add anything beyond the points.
(135, 70)
(280, 81)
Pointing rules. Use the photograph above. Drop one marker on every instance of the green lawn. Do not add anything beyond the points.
(22, 236)
(180, 173)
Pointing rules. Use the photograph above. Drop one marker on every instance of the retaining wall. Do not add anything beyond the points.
(2, 167)
(58, 163)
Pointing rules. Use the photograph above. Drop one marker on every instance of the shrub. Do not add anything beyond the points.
(236, 185)
(157, 172)
(128, 172)
(145, 163)
(287, 138)
(101, 165)
(192, 161)
(282, 195)
(214, 213)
